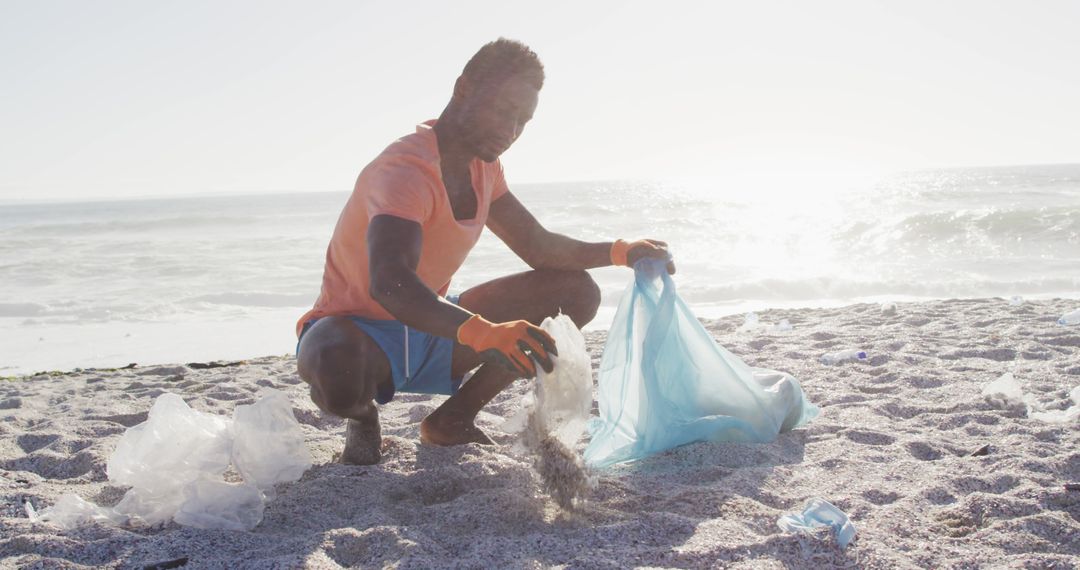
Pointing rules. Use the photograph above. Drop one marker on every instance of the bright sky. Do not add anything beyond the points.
(135, 98)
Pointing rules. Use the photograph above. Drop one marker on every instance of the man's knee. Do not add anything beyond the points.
(339, 367)
(579, 296)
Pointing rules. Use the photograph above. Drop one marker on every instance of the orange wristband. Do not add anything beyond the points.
(619, 249)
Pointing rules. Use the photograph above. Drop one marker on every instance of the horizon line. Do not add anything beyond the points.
(278, 192)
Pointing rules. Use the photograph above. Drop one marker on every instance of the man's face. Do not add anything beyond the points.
(493, 116)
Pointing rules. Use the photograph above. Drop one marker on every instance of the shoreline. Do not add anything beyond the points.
(706, 314)
(893, 448)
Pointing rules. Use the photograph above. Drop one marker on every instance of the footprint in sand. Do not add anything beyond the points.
(978, 511)
(923, 451)
(877, 389)
(880, 498)
(866, 437)
(30, 442)
(995, 354)
(1061, 340)
(227, 394)
(351, 548)
(60, 466)
(896, 410)
(990, 485)
(126, 420)
(925, 383)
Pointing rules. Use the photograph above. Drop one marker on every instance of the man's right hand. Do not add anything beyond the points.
(513, 344)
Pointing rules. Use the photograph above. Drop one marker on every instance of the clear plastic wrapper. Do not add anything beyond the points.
(176, 461)
(268, 444)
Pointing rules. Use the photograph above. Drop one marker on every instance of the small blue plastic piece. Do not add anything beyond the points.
(819, 512)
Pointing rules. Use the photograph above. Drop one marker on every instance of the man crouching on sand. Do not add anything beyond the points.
(383, 322)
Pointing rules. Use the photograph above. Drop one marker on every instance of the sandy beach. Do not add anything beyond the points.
(892, 448)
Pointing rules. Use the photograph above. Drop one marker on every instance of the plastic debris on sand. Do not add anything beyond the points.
(555, 414)
(1070, 414)
(1006, 393)
(177, 460)
(819, 513)
(753, 324)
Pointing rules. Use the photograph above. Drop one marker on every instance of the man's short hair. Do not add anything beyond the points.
(502, 59)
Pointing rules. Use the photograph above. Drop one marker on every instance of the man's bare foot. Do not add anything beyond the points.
(362, 442)
(445, 429)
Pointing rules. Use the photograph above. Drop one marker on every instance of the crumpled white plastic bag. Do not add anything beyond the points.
(210, 503)
(72, 511)
(564, 397)
(268, 446)
(555, 414)
(175, 463)
(173, 447)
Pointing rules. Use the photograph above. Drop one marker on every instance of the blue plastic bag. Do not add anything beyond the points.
(664, 382)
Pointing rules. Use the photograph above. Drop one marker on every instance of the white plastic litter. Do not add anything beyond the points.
(817, 513)
(843, 356)
(176, 461)
(562, 399)
(1016, 300)
(72, 511)
(751, 324)
(1072, 318)
(1005, 392)
(210, 503)
(268, 446)
(173, 447)
(888, 309)
(1068, 415)
(555, 415)
(782, 326)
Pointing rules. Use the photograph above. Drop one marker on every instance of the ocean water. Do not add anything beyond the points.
(225, 277)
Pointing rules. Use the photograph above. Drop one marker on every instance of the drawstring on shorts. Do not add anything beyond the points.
(407, 375)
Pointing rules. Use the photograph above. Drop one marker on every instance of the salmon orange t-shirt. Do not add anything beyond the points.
(404, 181)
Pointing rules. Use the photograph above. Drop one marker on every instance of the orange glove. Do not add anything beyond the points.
(628, 253)
(513, 344)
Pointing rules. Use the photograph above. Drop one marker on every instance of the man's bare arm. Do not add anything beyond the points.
(542, 249)
(393, 254)
(394, 246)
(538, 247)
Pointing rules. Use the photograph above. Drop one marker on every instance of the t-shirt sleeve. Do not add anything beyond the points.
(400, 190)
(499, 187)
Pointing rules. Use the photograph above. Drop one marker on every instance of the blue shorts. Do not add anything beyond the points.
(420, 364)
